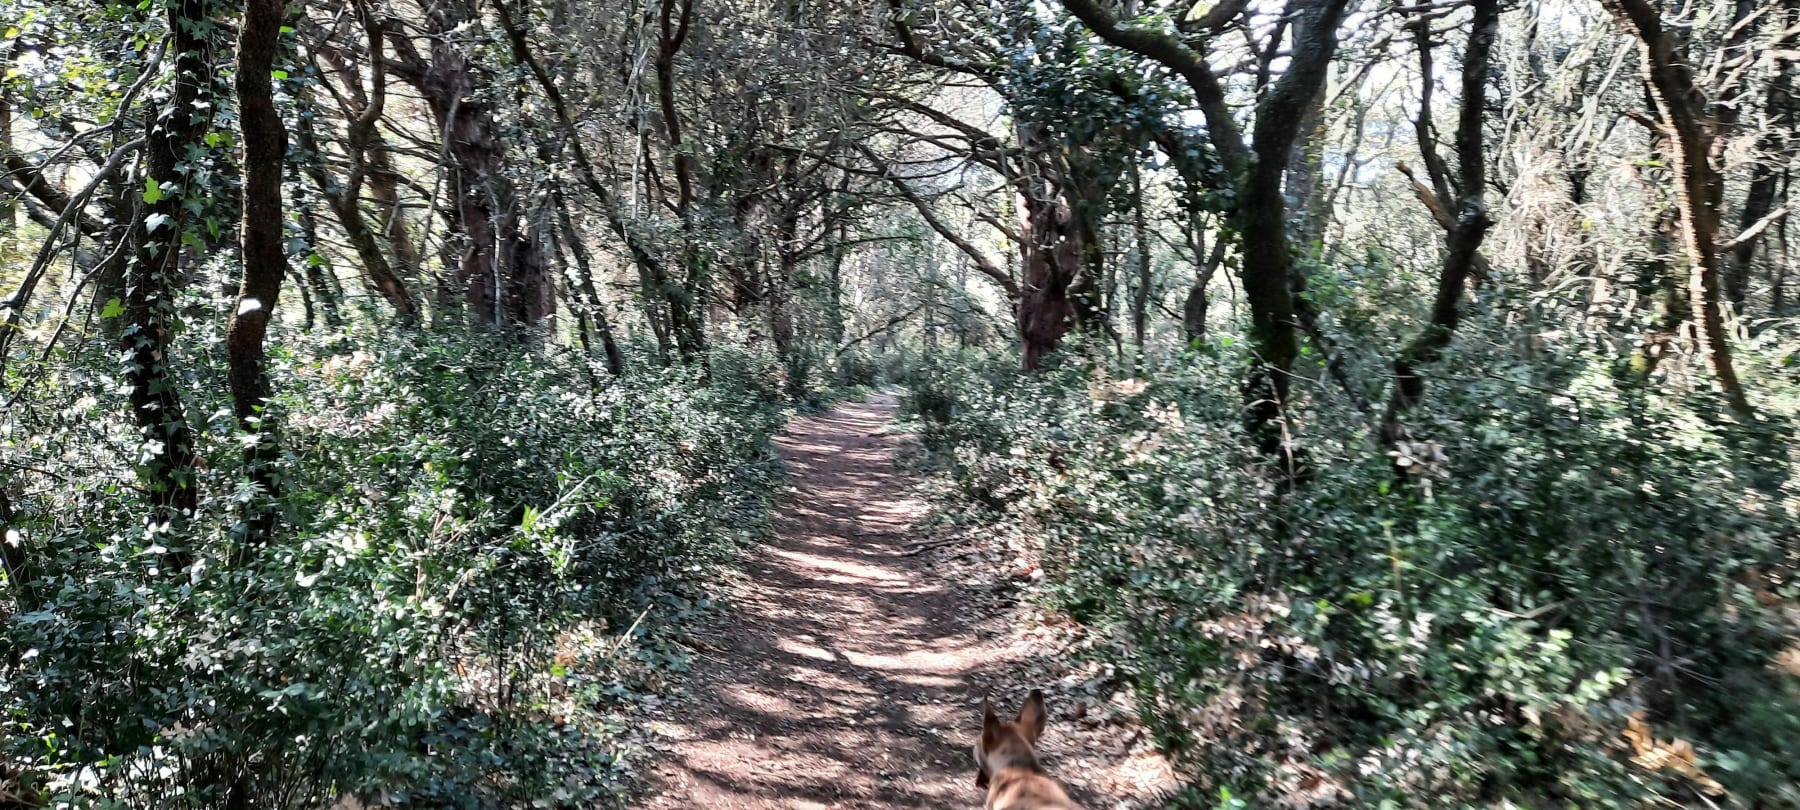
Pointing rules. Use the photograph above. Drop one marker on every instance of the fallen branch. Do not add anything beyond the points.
(924, 547)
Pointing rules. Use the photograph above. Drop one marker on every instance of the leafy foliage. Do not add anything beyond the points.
(1573, 554)
(482, 549)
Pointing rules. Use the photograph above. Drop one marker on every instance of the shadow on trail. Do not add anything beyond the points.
(847, 677)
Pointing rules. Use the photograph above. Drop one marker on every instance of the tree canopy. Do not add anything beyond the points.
(1402, 393)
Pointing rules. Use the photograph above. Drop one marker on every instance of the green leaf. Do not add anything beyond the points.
(152, 191)
(278, 75)
(113, 309)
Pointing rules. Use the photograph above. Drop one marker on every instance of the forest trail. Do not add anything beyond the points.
(847, 677)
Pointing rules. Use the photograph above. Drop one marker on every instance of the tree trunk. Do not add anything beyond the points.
(384, 189)
(1194, 308)
(1049, 255)
(594, 305)
(686, 297)
(342, 199)
(1140, 294)
(1467, 230)
(173, 131)
(1305, 192)
(502, 276)
(264, 256)
(1256, 170)
(1771, 147)
(1699, 189)
(316, 269)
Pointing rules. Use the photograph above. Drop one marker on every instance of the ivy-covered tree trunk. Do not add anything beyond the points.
(175, 131)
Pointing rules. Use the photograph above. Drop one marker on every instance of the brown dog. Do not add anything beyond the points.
(1006, 759)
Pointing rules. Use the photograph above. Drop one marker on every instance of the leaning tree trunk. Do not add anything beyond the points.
(593, 303)
(1470, 225)
(1699, 188)
(344, 200)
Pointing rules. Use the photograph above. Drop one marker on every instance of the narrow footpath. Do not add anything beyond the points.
(849, 674)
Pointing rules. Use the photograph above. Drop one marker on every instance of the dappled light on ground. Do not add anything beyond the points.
(848, 677)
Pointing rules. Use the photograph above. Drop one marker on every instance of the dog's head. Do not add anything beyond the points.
(1004, 744)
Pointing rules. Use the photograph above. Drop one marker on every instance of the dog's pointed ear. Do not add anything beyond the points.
(1033, 716)
(990, 728)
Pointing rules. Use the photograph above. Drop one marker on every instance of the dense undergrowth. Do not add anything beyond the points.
(1581, 593)
(481, 556)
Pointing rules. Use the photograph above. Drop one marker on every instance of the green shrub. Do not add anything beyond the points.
(1576, 551)
(475, 549)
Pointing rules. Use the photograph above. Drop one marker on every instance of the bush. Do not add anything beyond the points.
(1583, 592)
(476, 550)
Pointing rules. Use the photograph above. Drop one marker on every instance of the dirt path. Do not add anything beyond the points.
(848, 677)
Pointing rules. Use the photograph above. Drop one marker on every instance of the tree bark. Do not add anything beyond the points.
(1699, 188)
(1255, 173)
(173, 130)
(1468, 229)
(263, 253)
(502, 275)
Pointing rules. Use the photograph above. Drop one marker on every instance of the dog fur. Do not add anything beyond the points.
(1006, 760)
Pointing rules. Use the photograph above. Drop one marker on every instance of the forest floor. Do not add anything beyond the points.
(850, 669)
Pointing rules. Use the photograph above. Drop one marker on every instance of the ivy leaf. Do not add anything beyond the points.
(154, 221)
(152, 191)
(113, 309)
